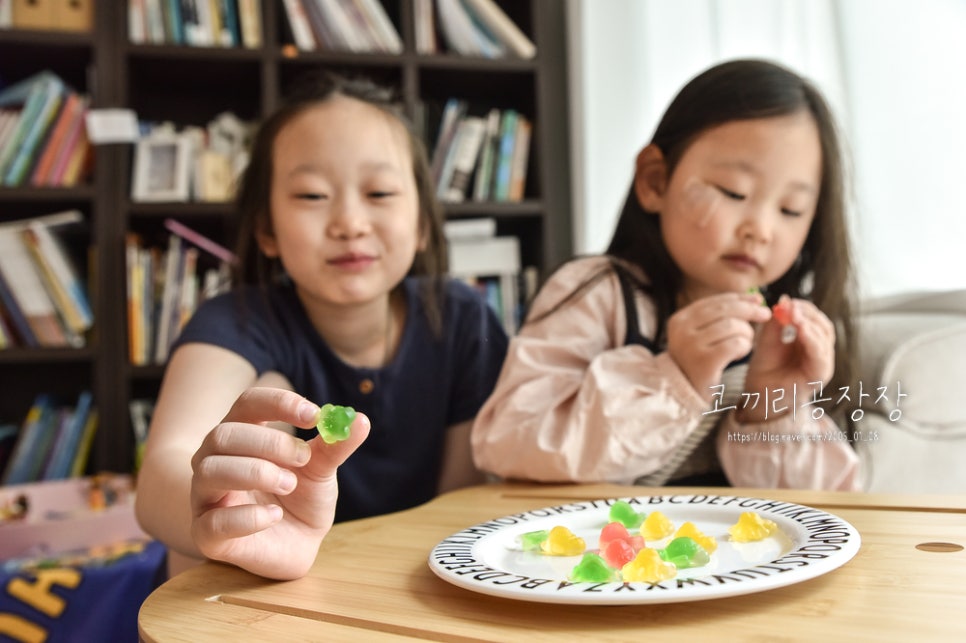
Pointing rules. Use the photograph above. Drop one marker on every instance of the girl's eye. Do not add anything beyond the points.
(380, 194)
(791, 213)
(310, 196)
(730, 194)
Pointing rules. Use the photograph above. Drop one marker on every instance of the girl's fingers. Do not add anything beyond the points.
(218, 473)
(327, 457)
(254, 441)
(273, 405)
(214, 529)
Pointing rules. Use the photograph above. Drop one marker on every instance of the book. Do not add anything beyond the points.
(425, 27)
(173, 22)
(211, 247)
(520, 159)
(62, 275)
(230, 27)
(154, 20)
(18, 324)
(460, 33)
(169, 299)
(33, 95)
(495, 260)
(476, 228)
(490, 14)
(463, 155)
(504, 157)
(250, 23)
(453, 111)
(27, 287)
(76, 135)
(33, 442)
(72, 109)
(349, 33)
(483, 183)
(77, 164)
(322, 30)
(384, 32)
(484, 256)
(84, 445)
(68, 439)
(298, 23)
(8, 439)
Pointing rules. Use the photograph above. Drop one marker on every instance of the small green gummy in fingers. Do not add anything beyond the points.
(334, 422)
(755, 290)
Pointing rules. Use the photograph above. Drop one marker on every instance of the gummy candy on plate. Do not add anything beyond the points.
(684, 552)
(689, 529)
(531, 540)
(647, 567)
(656, 526)
(751, 527)
(622, 512)
(563, 542)
(593, 569)
(334, 422)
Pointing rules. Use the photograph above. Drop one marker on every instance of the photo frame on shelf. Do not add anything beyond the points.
(162, 168)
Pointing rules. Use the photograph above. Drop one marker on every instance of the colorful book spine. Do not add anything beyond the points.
(58, 135)
(504, 161)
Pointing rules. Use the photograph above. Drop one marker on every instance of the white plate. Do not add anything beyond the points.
(486, 558)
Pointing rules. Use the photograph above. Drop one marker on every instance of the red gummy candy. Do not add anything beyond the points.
(782, 312)
(612, 531)
(618, 553)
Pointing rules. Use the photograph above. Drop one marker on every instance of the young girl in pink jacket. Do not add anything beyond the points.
(658, 363)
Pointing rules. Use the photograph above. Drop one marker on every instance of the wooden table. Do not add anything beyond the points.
(371, 582)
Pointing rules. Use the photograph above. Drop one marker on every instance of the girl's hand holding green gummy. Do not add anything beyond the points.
(334, 422)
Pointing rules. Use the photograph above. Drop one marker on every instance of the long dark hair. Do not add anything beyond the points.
(823, 272)
(253, 201)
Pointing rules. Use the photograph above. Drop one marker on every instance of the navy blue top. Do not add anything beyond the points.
(432, 382)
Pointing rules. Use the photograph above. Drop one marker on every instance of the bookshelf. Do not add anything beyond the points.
(190, 85)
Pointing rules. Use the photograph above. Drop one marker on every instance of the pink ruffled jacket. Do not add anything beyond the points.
(573, 403)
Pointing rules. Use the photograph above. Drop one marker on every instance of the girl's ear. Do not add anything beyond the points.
(650, 178)
(266, 241)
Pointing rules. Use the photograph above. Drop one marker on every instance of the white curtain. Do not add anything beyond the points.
(893, 70)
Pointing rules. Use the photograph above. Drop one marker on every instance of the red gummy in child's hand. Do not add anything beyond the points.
(782, 312)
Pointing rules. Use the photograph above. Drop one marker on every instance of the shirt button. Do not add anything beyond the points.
(366, 386)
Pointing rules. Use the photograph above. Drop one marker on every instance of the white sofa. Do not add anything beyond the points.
(916, 342)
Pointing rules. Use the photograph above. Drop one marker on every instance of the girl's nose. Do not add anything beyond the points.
(347, 219)
(756, 225)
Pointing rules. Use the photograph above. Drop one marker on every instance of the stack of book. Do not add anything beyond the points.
(491, 263)
(53, 442)
(43, 299)
(342, 25)
(483, 157)
(472, 28)
(165, 286)
(43, 134)
(196, 23)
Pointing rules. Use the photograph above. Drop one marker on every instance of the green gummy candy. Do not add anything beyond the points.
(531, 540)
(334, 422)
(684, 552)
(592, 569)
(622, 512)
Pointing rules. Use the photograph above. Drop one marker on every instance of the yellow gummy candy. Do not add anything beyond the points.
(708, 543)
(751, 527)
(563, 542)
(656, 526)
(647, 567)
